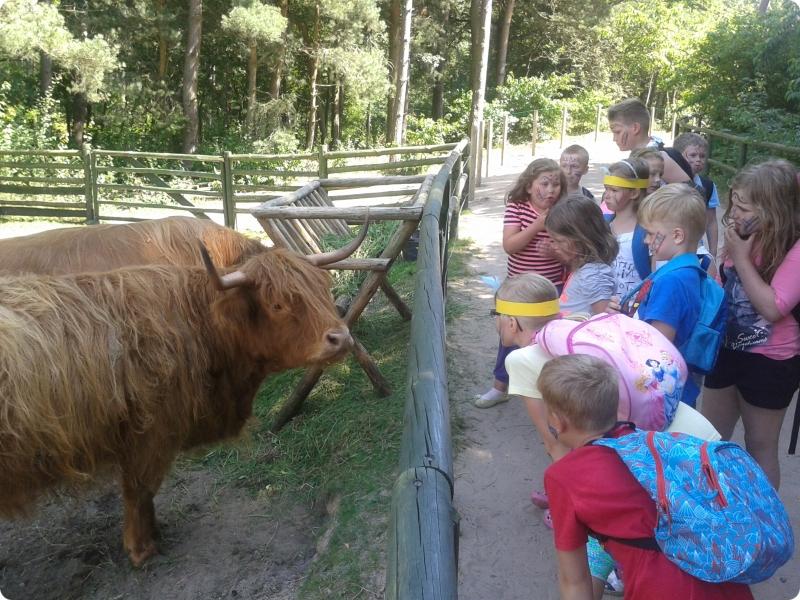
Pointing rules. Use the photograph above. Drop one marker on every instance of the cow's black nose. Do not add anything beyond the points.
(339, 339)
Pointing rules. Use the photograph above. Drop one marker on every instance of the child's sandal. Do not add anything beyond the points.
(540, 500)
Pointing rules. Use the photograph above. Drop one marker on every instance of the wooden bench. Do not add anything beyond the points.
(299, 221)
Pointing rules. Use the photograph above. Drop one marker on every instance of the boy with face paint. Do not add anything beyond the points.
(629, 122)
(674, 219)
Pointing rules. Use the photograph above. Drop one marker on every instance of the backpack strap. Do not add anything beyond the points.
(641, 253)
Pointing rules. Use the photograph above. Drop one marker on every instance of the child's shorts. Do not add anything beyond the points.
(763, 382)
(600, 562)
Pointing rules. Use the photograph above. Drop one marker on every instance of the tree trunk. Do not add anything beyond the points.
(191, 65)
(162, 41)
(80, 113)
(280, 56)
(437, 98)
(311, 125)
(338, 117)
(395, 56)
(252, 74)
(481, 14)
(502, 42)
(401, 91)
(763, 6)
(45, 73)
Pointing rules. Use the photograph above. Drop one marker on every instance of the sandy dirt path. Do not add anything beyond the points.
(505, 550)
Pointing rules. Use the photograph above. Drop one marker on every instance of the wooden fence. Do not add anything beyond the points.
(730, 153)
(423, 529)
(111, 185)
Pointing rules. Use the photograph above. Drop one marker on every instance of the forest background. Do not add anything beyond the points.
(251, 76)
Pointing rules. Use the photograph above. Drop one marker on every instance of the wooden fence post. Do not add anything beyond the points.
(597, 121)
(505, 140)
(652, 120)
(89, 183)
(473, 163)
(489, 137)
(742, 155)
(228, 201)
(672, 129)
(479, 152)
(534, 132)
(323, 162)
(563, 126)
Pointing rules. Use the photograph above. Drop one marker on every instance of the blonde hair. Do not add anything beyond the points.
(676, 204)
(630, 111)
(632, 168)
(581, 221)
(648, 154)
(584, 389)
(578, 151)
(540, 166)
(528, 287)
(772, 188)
(684, 140)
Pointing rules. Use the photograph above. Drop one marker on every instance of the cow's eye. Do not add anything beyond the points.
(277, 307)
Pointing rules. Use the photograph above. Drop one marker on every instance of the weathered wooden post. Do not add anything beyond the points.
(597, 121)
(652, 119)
(88, 182)
(473, 162)
(323, 162)
(489, 137)
(742, 155)
(563, 126)
(479, 152)
(228, 201)
(534, 132)
(505, 140)
(672, 130)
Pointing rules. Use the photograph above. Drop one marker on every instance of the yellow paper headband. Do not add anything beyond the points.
(626, 183)
(527, 309)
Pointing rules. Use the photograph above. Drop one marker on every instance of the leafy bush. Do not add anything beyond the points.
(423, 131)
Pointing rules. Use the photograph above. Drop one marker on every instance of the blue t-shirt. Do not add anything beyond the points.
(675, 300)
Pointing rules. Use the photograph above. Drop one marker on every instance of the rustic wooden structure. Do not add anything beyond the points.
(112, 185)
(299, 220)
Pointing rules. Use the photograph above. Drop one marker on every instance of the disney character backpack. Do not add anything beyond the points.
(719, 518)
(702, 347)
(652, 373)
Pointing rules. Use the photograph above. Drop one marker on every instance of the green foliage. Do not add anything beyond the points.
(423, 131)
(41, 126)
(255, 23)
(738, 74)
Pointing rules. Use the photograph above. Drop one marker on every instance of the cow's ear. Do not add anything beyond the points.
(237, 307)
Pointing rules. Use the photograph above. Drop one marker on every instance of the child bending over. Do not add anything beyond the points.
(592, 492)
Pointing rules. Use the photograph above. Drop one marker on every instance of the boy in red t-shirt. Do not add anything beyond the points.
(591, 489)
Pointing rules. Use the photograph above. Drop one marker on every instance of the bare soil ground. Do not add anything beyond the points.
(506, 552)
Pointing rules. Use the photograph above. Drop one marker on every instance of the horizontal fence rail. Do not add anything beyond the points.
(423, 534)
(115, 185)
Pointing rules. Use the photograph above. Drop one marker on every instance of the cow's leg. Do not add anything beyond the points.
(139, 486)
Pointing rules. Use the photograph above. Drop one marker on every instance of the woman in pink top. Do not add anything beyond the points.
(528, 246)
(758, 369)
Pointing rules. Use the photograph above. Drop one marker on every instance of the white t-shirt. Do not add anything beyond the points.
(524, 366)
(626, 277)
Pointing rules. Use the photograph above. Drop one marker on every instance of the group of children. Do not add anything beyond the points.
(648, 250)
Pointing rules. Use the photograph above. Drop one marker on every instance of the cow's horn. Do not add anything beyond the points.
(326, 258)
(224, 282)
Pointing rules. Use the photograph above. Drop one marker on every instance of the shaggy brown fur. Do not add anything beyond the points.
(127, 368)
(170, 241)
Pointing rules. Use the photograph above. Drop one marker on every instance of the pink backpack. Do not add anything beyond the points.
(652, 372)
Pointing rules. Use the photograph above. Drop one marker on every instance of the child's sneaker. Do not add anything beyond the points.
(539, 499)
(614, 585)
(490, 398)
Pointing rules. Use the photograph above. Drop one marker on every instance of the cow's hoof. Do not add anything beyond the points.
(139, 555)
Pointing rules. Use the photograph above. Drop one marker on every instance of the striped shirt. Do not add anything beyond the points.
(530, 259)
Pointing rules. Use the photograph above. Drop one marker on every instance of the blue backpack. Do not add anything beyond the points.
(719, 518)
(701, 349)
